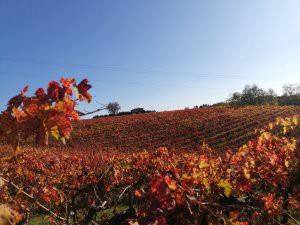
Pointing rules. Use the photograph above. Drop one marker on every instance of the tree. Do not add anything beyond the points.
(252, 95)
(288, 89)
(113, 108)
(291, 89)
(271, 97)
(235, 99)
(291, 95)
(46, 113)
(138, 110)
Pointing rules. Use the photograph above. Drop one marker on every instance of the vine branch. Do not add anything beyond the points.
(20, 190)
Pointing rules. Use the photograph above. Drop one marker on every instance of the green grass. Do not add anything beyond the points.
(39, 220)
(101, 216)
(108, 213)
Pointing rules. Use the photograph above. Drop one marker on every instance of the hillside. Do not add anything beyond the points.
(182, 129)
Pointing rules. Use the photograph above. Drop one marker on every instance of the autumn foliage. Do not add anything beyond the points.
(256, 184)
(184, 130)
(45, 113)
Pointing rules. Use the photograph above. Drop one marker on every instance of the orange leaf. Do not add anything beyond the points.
(171, 183)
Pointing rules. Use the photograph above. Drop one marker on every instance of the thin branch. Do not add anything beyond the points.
(99, 103)
(123, 192)
(287, 213)
(95, 192)
(32, 198)
(92, 112)
(102, 206)
(250, 207)
(94, 222)
(105, 172)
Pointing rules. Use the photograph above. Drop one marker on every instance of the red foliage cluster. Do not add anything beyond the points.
(46, 113)
(258, 183)
(255, 185)
(219, 127)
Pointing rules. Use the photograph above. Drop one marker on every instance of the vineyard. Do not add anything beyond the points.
(217, 165)
(219, 127)
(255, 185)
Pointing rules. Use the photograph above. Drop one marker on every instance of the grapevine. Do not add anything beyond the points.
(45, 113)
(258, 183)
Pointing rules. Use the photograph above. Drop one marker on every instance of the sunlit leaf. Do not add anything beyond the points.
(247, 173)
(9, 216)
(171, 183)
(226, 185)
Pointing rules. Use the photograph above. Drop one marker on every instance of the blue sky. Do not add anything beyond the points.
(154, 54)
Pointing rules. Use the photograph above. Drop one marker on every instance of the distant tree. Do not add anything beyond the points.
(291, 89)
(288, 89)
(204, 106)
(271, 92)
(219, 104)
(235, 99)
(271, 97)
(113, 108)
(291, 95)
(298, 89)
(138, 110)
(252, 95)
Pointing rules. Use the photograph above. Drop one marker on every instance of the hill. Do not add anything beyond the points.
(219, 127)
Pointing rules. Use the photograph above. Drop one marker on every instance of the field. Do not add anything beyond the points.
(219, 127)
(217, 165)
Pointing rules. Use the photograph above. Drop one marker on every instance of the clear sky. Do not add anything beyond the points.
(156, 54)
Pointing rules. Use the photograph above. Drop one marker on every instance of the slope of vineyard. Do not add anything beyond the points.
(219, 127)
(257, 184)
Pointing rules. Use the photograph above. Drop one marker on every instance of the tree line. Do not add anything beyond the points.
(254, 95)
(251, 95)
(113, 109)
